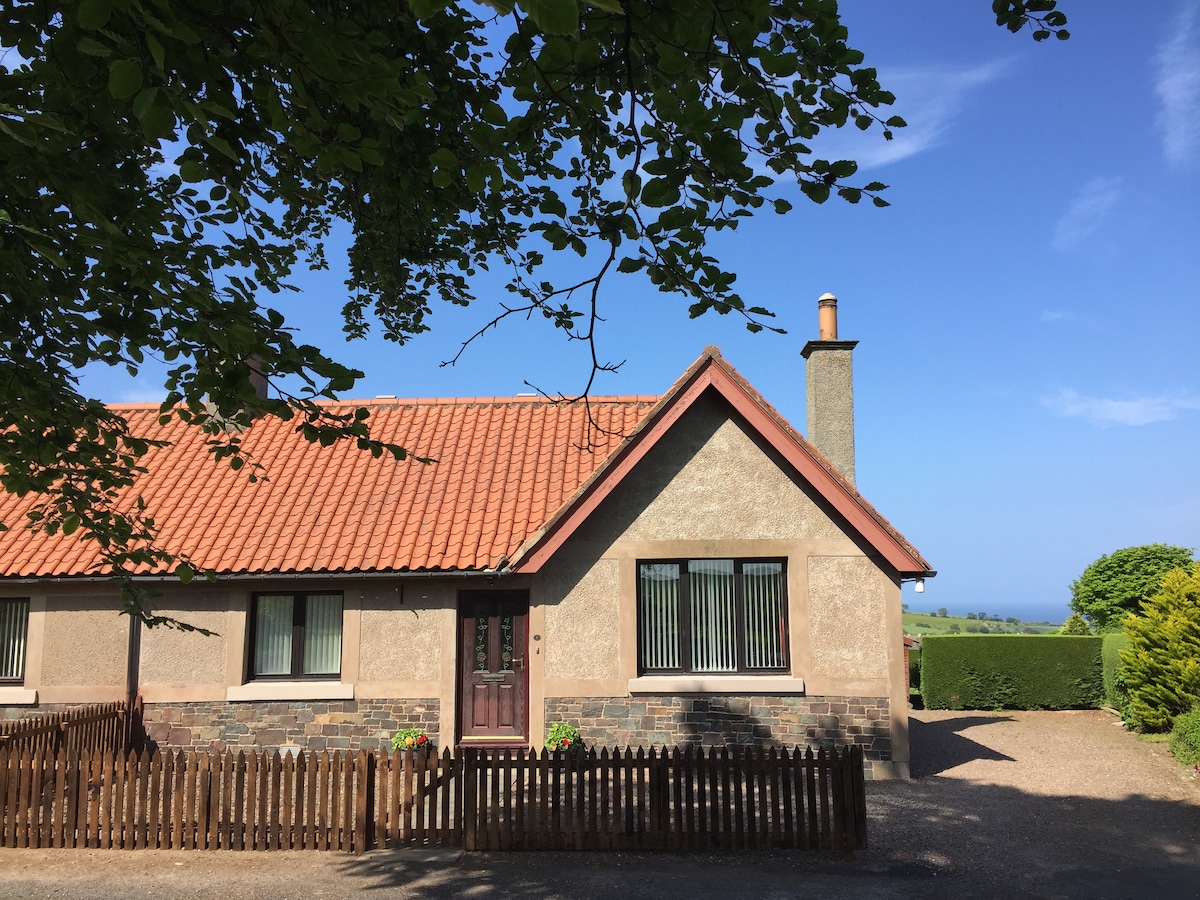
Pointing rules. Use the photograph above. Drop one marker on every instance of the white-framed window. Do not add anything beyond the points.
(712, 615)
(14, 636)
(295, 635)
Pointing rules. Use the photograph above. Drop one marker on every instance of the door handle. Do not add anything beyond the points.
(519, 660)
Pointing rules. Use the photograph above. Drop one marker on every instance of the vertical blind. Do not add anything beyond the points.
(14, 619)
(273, 635)
(727, 615)
(659, 625)
(765, 615)
(714, 615)
(323, 634)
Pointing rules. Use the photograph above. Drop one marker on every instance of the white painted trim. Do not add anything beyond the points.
(18, 697)
(756, 685)
(290, 690)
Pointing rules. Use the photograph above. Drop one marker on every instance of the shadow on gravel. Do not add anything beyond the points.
(937, 837)
(1015, 842)
(937, 746)
(931, 837)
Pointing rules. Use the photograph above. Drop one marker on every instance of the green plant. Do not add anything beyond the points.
(411, 738)
(1008, 671)
(1185, 738)
(562, 737)
(1076, 625)
(1115, 584)
(1161, 667)
(1116, 692)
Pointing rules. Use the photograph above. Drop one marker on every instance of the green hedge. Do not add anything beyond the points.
(1115, 694)
(1010, 671)
(1185, 738)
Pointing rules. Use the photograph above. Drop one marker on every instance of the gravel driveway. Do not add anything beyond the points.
(1009, 804)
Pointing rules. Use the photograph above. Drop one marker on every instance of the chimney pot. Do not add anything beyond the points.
(827, 318)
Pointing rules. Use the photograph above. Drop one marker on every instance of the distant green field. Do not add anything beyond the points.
(918, 623)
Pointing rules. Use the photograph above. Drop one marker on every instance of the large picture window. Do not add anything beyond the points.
(14, 628)
(712, 615)
(296, 636)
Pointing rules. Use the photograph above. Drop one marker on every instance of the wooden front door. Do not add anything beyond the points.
(493, 640)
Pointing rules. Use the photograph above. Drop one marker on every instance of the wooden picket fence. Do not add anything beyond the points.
(728, 798)
(113, 727)
(723, 798)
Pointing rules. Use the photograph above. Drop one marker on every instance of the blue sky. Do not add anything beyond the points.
(1027, 379)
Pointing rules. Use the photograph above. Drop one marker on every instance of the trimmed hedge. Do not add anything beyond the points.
(1115, 694)
(1011, 671)
(1185, 738)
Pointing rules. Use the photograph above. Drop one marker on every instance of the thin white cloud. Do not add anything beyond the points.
(927, 99)
(1094, 201)
(1057, 315)
(1130, 411)
(1178, 90)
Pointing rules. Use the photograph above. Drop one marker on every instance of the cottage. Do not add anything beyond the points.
(699, 573)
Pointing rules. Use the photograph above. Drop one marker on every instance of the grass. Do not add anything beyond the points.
(920, 623)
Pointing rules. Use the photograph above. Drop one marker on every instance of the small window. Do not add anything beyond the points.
(14, 629)
(296, 636)
(712, 615)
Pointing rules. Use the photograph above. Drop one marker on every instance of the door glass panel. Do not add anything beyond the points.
(506, 643)
(481, 644)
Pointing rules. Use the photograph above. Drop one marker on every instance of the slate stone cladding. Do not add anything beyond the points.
(710, 720)
(266, 725)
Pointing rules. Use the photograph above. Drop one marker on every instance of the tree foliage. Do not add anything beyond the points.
(1117, 583)
(165, 165)
(1075, 625)
(1161, 667)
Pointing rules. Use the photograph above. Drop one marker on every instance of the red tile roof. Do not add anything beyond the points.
(504, 466)
(512, 481)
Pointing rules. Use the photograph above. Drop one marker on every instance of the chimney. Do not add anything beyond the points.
(258, 379)
(831, 390)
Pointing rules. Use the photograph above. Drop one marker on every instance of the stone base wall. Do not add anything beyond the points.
(11, 713)
(709, 720)
(267, 725)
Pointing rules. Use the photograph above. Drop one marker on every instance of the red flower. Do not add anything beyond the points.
(423, 739)
(566, 742)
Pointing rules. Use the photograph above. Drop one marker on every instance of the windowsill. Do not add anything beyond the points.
(716, 684)
(15, 696)
(290, 690)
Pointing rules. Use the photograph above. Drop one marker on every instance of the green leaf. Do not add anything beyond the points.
(70, 524)
(424, 9)
(660, 192)
(92, 47)
(494, 114)
(185, 573)
(192, 170)
(443, 158)
(93, 14)
(124, 78)
(553, 16)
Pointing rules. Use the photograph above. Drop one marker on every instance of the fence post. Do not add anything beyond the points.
(470, 798)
